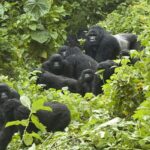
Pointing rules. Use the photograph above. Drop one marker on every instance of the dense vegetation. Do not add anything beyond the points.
(119, 119)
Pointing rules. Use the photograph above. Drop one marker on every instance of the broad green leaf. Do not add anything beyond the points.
(40, 36)
(25, 101)
(1, 10)
(38, 8)
(38, 105)
(28, 139)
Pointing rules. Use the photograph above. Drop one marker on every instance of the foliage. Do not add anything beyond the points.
(116, 119)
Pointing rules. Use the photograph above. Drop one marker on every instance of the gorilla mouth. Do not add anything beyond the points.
(56, 64)
(92, 38)
(64, 53)
(87, 76)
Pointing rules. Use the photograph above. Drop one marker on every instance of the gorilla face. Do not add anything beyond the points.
(56, 63)
(63, 50)
(7, 93)
(94, 35)
(4, 92)
(87, 75)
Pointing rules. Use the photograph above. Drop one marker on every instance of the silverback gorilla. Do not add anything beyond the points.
(101, 45)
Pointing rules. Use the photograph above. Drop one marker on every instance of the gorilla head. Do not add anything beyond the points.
(86, 80)
(66, 51)
(87, 75)
(94, 35)
(63, 50)
(7, 93)
(56, 64)
(108, 66)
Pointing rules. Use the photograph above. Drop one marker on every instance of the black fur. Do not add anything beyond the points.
(101, 45)
(66, 51)
(79, 62)
(51, 80)
(107, 68)
(6, 93)
(86, 81)
(57, 65)
(56, 120)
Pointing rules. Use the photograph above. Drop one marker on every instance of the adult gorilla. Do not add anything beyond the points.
(6, 133)
(79, 62)
(101, 45)
(51, 80)
(11, 109)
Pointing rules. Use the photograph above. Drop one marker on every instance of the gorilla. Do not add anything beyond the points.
(128, 41)
(66, 51)
(12, 109)
(51, 80)
(101, 45)
(6, 133)
(86, 81)
(126, 53)
(57, 65)
(79, 62)
(108, 67)
(56, 120)
(6, 93)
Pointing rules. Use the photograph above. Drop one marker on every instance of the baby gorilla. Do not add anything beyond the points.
(86, 81)
(56, 120)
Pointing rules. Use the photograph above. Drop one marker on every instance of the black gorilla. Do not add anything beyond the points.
(79, 62)
(101, 45)
(6, 133)
(128, 41)
(6, 93)
(12, 109)
(51, 80)
(108, 68)
(66, 51)
(57, 65)
(56, 120)
(86, 81)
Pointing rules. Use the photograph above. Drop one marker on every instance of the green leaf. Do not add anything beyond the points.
(25, 101)
(36, 122)
(40, 36)
(1, 10)
(22, 122)
(28, 139)
(38, 8)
